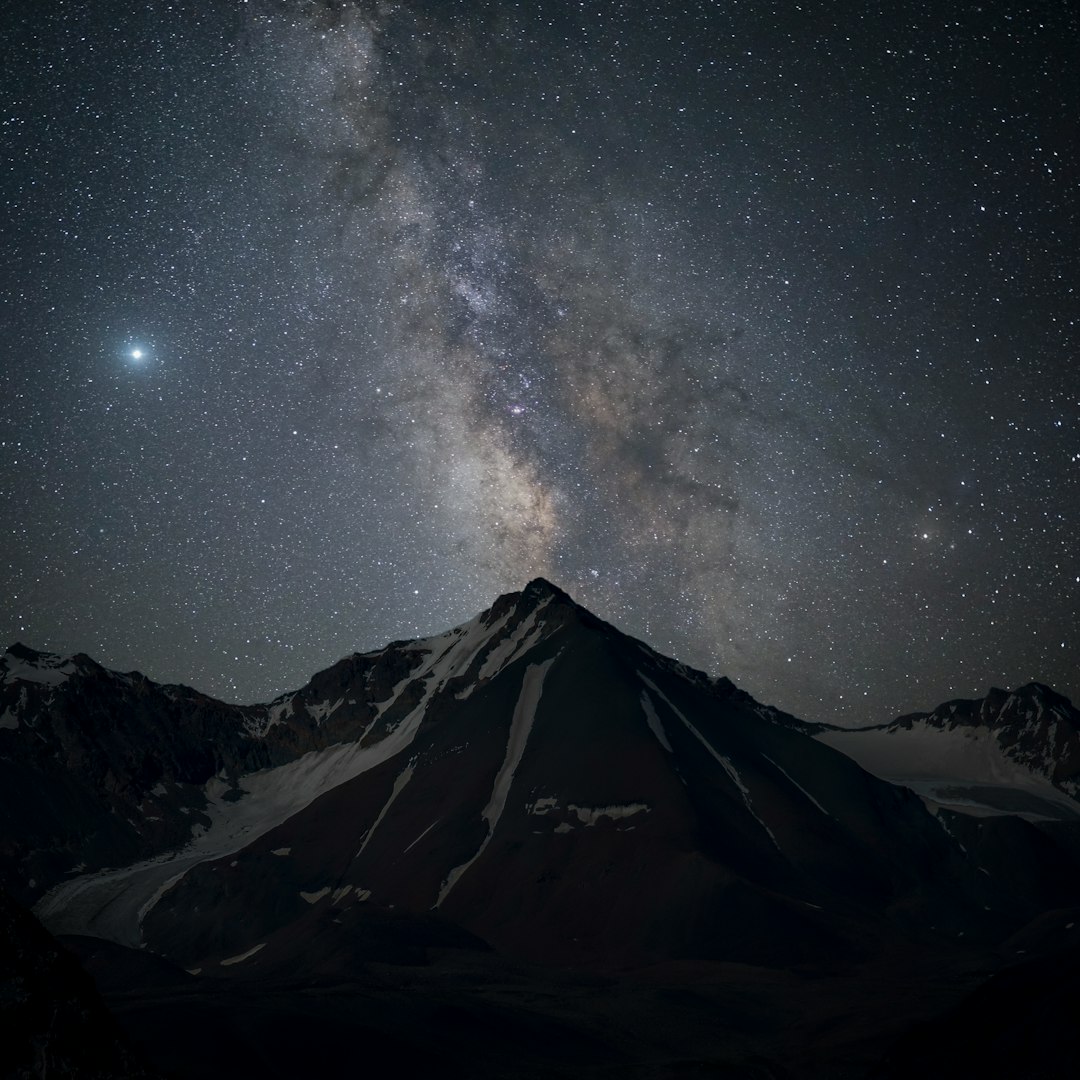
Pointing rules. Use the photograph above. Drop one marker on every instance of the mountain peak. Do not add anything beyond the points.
(1002, 704)
(21, 663)
(1041, 691)
(537, 592)
(23, 652)
(542, 589)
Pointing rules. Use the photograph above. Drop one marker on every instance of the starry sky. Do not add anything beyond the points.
(754, 326)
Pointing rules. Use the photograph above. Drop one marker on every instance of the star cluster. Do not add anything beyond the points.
(754, 327)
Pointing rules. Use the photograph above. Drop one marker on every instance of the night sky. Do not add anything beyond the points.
(753, 326)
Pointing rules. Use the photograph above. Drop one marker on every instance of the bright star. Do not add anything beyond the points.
(136, 354)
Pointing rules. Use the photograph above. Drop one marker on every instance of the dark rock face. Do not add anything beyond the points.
(52, 1021)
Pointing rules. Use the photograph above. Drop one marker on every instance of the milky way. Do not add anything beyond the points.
(755, 330)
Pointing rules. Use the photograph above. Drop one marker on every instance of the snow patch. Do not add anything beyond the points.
(564, 827)
(653, 720)
(586, 815)
(243, 956)
(281, 851)
(158, 893)
(983, 800)
(10, 720)
(258, 725)
(520, 641)
(590, 815)
(315, 897)
(935, 813)
(323, 709)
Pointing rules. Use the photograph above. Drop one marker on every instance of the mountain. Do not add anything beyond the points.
(460, 834)
(102, 768)
(534, 777)
(1012, 752)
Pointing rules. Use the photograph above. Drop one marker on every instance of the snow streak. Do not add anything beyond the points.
(524, 714)
(796, 784)
(653, 720)
(724, 762)
(399, 785)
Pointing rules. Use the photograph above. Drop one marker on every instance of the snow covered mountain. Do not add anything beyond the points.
(534, 778)
(531, 788)
(1012, 752)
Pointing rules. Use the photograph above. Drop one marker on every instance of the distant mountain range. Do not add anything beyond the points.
(1016, 753)
(530, 809)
